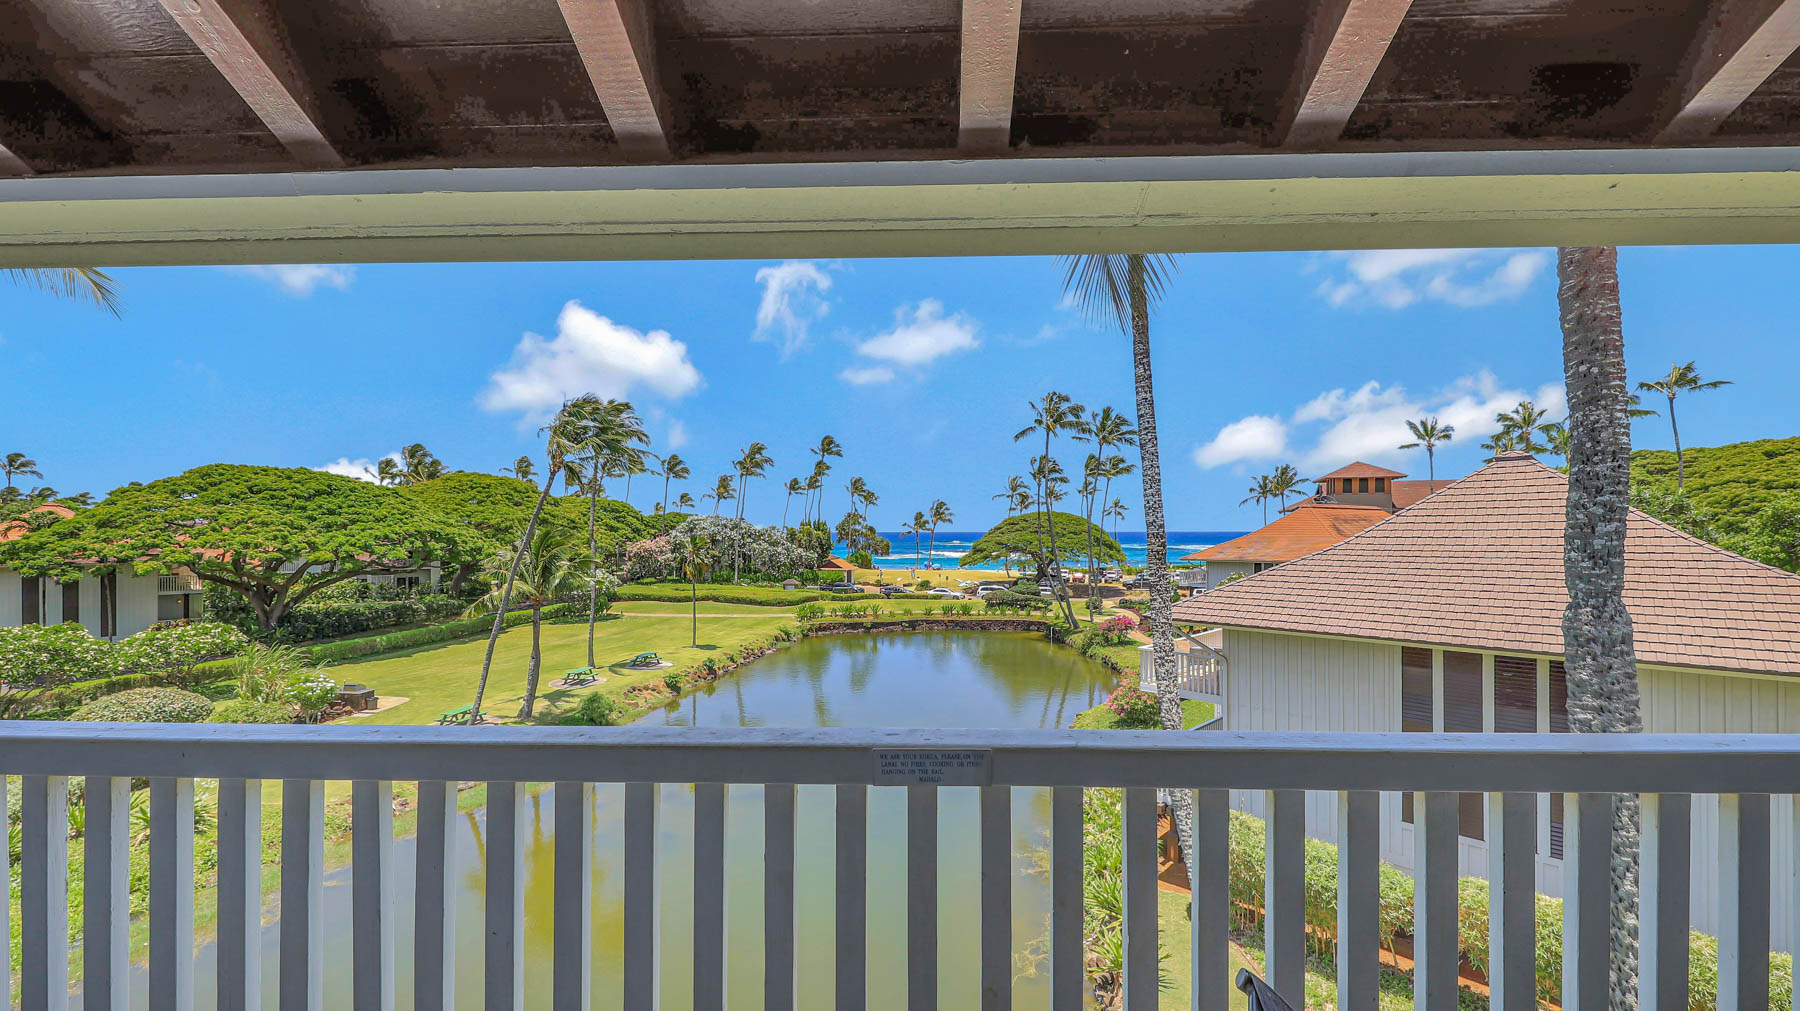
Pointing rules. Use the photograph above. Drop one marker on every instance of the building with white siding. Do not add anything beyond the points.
(1447, 617)
(109, 605)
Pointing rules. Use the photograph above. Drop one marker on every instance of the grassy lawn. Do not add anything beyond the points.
(1193, 713)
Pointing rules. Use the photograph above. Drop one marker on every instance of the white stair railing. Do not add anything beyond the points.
(1511, 769)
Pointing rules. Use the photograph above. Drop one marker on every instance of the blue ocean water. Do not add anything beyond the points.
(953, 544)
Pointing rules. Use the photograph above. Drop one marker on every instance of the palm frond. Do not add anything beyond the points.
(87, 283)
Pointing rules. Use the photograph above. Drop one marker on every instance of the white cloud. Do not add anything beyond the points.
(362, 468)
(793, 297)
(301, 279)
(1257, 437)
(589, 354)
(921, 336)
(678, 436)
(1397, 278)
(867, 377)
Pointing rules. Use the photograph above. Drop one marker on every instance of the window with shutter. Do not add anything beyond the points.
(30, 597)
(71, 601)
(1559, 724)
(1462, 715)
(1415, 705)
(1515, 695)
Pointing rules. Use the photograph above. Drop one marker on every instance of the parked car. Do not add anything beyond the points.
(947, 593)
(1113, 575)
(984, 592)
(893, 589)
(841, 588)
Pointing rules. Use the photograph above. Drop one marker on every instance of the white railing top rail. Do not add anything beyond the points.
(1530, 763)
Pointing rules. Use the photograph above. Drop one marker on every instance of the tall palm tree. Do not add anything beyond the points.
(939, 513)
(1429, 433)
(753, 463)
(684, 501)
(522, 468)
(1110, 430)
(1284, 482)
(1524, 423)
(1121, 288)
(552, 566)
(1681, 379)
(814, 483)
(1015, 488)
(563, 437)
(916, 526)
(856, 489)
(89, 284)
(793, 487)
(387, 472)
(1600, 657)
(1053, 415)
(827, 448)
(721, 492)
(674, 468)
(19, 465)
(1500, 442)
(1260, 493)
(693, 554)
(611, 434)
(418, 465)
(1557, 438)
(633, 462)
(867, 500)
(1115, 512)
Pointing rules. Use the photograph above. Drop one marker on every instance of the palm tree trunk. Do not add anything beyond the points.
(1056, 581)
(1675, 430)
(1156, 550)
(531, 671)
(665, 502)
(512, 572)
(593, 586)
(932, 551)
(1597, 634)
(694, 613)
(1430, 463)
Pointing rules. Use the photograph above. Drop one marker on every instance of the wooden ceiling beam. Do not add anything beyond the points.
(990, 61)
(244, 40)
(618, 46)
(1741, 44)
(1344, 42)
(11, 164)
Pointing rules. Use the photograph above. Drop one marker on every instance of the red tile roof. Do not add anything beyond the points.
(12, 530)
(1479, 565)
(1307, 527)
(1411, 492)
(835, 564)
(1360, 469)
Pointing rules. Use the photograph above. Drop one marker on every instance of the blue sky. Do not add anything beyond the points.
(921, 368)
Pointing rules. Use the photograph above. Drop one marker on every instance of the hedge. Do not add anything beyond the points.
(147, 705)
(1395, 890)
(349, 649)
(750, 595)
(325, 621)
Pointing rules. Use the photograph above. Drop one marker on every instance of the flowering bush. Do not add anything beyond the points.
(651, 559)
(44, 655)
(1133, 709)
(147, 705)
(1118, 629)
(171, 650)
(311, 691)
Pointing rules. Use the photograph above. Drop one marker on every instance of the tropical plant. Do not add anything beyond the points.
(1121, 288)
(1052, 415)
(565, 436)
(1600, 658)
(552, 566)
(1681, 379)
(386, 472)
(172, 651)
(939, 513)
(89, 284)
(674, 468)
(1016, 488)
(417, 465)
(1023, 537)
(1429, 433)
(1523, 424)
(721, 492)
(18, 465)
(827, 448)
(916, 527)
(522, 468)
(1284, 481)
(693, 552)
(263, 672)
(609, 435)
(1115, 512)
(146, 705)
(794, 487)
(1260, 493)
(684, 501)
(1556, 438)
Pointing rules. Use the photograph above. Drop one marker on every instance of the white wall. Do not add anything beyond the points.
(1218, 572)
(1288, 682)
(137, 603)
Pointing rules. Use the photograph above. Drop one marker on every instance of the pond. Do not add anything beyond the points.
(905, 679)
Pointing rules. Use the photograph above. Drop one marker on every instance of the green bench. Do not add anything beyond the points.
(579, 676)
(456, 715)
(644, 660)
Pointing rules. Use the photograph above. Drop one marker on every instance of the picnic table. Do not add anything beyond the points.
(579, 676)
(644, 660)
(455, 715)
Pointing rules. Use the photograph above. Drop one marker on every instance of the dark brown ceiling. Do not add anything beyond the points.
(109, 86)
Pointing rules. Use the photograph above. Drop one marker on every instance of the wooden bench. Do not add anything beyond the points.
(455, 715)
(579, 676)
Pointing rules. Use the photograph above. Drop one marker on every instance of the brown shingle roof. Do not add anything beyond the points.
(1360, 469)
(1308, 527)
(1479, 565)
(1412, 492)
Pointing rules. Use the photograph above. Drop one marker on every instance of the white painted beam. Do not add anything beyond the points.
(44, 893)
(1358, 901)
(1664, 901)
(434, 899)
(1740, 44)
(106, 898)
(372, 893)
(990, 60)
(302, 964)
(1344, 42)
(617, 43)
(240, 895)
(245, 41)
(1143, 967)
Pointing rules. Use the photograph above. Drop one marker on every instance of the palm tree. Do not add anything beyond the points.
(563, 436)
(1556, 436)
(85, 283)
(753, 463)
(674, 468)
(939, 513)
(1600, 657)
(793, 487)
(551, 567)
(827, 448)
(813, 484)
(1015, 489)
(868, 500)
(611, 433)
(1260, 493)
(18, 465)
(721, 492)
(522, 469)
(1110, 429)
(1427, 432)
(684, 501)
(1524, 423)
(633, 462)
(918, 525)
(1054, 414)
(694, 554)
(1284, 482)
(387, 472)
(417, 465)
(1500, 442)
(1681, 379)
(1116, 512)
(1121, 288)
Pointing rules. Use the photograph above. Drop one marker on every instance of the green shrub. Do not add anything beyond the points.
(349, 649)
(672, 681)
(324, 621)
(249, 711)
(147, 705)
(312, 691)
(172, 651)
(754, 596)
(594, 710)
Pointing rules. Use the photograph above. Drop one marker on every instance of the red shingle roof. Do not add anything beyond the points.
(1411, 492)
(1479, 565)
(1360, 469)
(12, 530)
(1308, 527)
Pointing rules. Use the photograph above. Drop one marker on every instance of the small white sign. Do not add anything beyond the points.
(933, 767)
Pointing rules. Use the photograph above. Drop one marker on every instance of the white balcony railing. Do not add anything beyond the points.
(1666, 769)
(178, 583)
(1199, 673)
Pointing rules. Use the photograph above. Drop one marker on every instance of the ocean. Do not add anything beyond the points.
(953, 544)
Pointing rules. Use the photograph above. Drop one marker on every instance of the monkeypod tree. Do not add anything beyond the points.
(1028, 537)
(274, 535)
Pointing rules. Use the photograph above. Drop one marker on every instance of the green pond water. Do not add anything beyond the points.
(907, 679)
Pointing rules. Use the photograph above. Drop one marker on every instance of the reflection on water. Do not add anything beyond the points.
(915, 679)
